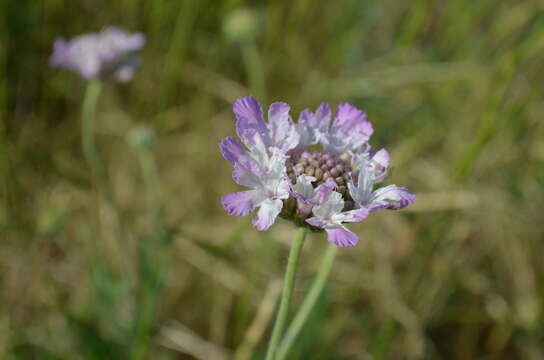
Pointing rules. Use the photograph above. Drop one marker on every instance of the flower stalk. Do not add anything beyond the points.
(90, 100)
(288, 286)
(308, 304)
(92, 93)
(92, 156)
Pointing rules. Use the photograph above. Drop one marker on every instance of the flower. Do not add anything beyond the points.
(288, 177)
(109, 53)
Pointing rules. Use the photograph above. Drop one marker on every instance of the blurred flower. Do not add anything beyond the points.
(109, 53)
(241, 25)
(288, 178)
(141, 137)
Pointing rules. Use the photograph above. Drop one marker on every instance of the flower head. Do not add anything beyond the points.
(109, 53)
(321, 189)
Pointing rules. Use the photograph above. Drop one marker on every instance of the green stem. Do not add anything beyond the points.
(288, 285)
(90, 100)
(151, 182)
(90, 152)
(308, 303)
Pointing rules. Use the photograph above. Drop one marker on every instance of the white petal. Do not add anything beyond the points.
(304, 186)
(267, 213)
(391, 196)
(333, 205)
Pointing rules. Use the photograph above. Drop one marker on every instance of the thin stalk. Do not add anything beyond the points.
(152, 185)
(150, 291)
(288, 285)
(308, 304)
(90, 100)
(153, 262)
(90, 152)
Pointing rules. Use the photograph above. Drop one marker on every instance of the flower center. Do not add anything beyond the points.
(321, 165)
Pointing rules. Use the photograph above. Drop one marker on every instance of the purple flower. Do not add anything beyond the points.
(288, 177)
(109, 53)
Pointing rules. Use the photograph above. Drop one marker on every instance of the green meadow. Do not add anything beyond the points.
(144, 263)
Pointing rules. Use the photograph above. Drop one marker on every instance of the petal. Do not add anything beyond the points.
(382, 158)
(274, 165)
(342, 237)
(232, 150)
(246, 175)
(351, 216)
(380, 162)
(322, 118)
(136, 41)
(257, 148)
(303, 189)
(60, 48)
(249, 115)
(282, 132)
(362, 192)
(238, 203)
(116, 42)
(391, 197)
(304, 193)
(323, 191)
(317, 222)
(89, 68)
(349, 132)
(278, 116)
(306, 117)
(124, 73)
(313, 127)
(332, 205)
(306, 131)
(349, 118)
(267, 213)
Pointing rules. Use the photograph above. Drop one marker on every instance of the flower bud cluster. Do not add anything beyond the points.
(323, 166)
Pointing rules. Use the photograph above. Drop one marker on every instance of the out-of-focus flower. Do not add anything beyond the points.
(141, 137)
(242, 25)
(110, 53)
(319, 189)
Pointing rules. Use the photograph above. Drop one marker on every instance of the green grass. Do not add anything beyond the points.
(453, 89)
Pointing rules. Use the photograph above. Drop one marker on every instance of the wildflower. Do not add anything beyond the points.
(242, 25)
(289, 177)
(109, 53)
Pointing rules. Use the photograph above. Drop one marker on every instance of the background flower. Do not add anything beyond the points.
(110, 52)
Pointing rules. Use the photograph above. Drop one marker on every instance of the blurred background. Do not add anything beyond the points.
(454, 91)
